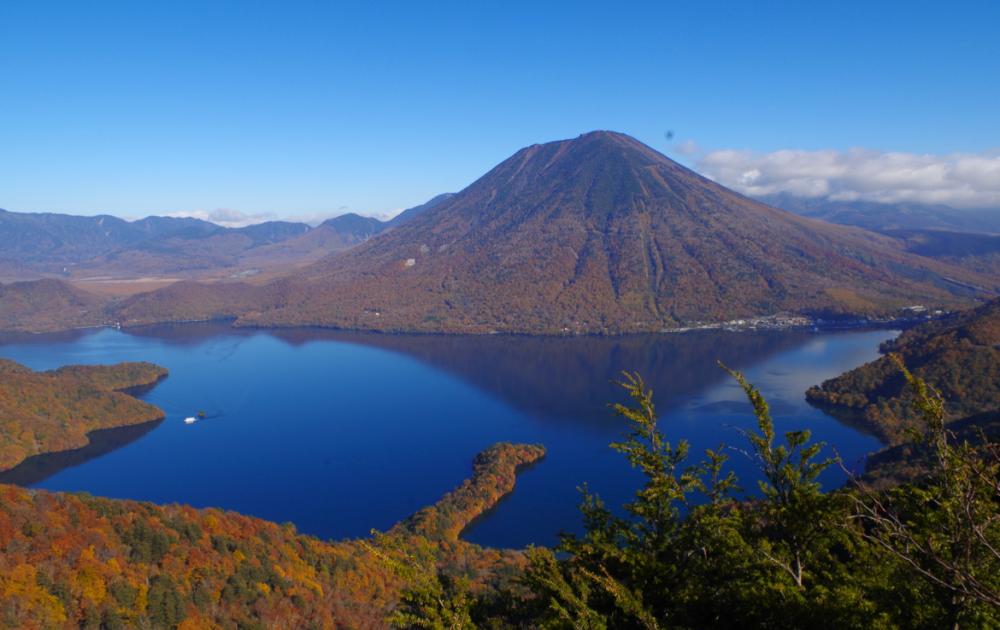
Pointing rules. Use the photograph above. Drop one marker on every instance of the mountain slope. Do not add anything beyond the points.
(882, 217)
(188, 301)
(76, 561)
(33, 245)
(959, 356)
(45, 412)
(354, 226)
(410, 213)
(603, 234)
(974, 251)
(46, 305)
(52, 240)
(194, 254)
(965, 238)
(189, 247)
(333, 235)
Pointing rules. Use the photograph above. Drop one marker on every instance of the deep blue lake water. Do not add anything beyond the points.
(343, 432)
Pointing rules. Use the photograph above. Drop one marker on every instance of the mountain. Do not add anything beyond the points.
(47, 305)
(410, 213)
(194, 252)
(598, 234)
(39, 244)
(966, 238)
(976, 251)
(175, 227)
(272, 231)
(884, 217)
(333, 235)
(603, 234)
(340, 233)
(58, 239)
(34, 245)
(959, 356)
(354, 228)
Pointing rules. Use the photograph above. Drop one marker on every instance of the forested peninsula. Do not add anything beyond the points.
(959, 356)
(76, 560)
(46, 412)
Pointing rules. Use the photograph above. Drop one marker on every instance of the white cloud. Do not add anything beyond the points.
(230, 218)
(313, 219)
(225, 217)
(688, 147)
(964, 180)
(390, 214)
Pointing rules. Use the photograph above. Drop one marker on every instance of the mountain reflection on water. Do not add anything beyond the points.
(574, 378)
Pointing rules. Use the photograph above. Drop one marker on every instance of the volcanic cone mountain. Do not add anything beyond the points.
(603, 234)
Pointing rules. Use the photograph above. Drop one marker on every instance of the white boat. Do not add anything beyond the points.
(190, 420)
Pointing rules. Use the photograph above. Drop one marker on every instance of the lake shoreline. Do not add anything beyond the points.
(377, 424)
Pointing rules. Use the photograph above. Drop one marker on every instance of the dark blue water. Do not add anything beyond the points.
(340, 433)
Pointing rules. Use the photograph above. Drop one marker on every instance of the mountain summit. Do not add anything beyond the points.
(601, 233)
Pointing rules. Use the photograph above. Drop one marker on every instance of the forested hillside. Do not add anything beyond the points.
(80, 561)
(48, 305)
(958, 355)
(44, 412)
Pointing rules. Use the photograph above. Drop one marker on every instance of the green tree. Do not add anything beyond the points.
(795, 508)
(645, 570)
(945, 528)
(432, 599)
(691, 554)
(165, 606)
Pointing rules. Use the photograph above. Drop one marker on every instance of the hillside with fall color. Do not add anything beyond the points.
(48, 305)
(80, 561)
(959, 356)
(45, 412)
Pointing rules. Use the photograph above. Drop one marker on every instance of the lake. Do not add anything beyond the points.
(341, 432)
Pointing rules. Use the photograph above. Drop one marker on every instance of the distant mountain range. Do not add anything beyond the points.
(52, 241)
(969, 238)
(36, 245)
(598, 234)
(889, 217)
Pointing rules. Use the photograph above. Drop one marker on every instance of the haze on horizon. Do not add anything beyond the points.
(244, 112)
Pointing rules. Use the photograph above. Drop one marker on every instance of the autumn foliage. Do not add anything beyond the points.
(493, 475)
(80, 561)
(44, 412)
(959, 356)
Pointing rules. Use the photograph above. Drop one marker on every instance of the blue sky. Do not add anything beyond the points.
(313, 108)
